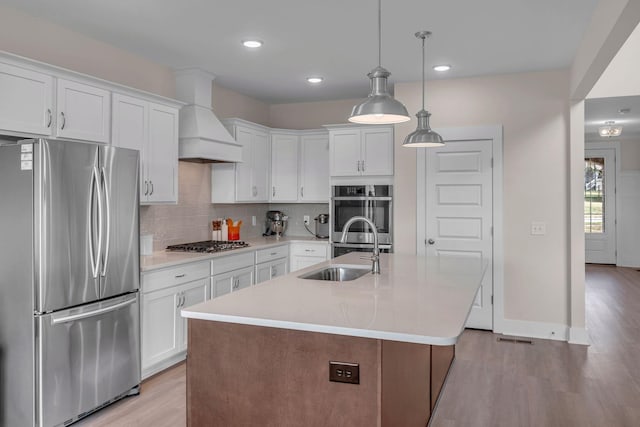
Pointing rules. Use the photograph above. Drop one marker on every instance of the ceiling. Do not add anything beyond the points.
(600, 110)
(336, 39)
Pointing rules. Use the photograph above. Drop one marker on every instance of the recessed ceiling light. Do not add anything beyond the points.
(315, 79)
(624, 110)
(442, 67)
(253, 44)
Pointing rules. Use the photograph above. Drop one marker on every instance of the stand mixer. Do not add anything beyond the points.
(276, 223)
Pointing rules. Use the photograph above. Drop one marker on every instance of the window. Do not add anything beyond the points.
(594, 195)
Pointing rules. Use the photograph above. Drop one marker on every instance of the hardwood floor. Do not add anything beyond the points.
(494, 384)
(161, 403)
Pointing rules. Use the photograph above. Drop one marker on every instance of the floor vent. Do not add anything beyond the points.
(515, 340)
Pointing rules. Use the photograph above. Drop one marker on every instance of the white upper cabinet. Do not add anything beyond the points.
(130, 129)
(361, 150)
(249, 180)
(284, 167)
(153, 130)
(161, 157)
(83, 111)
(278, 165)
(26, 101)
(314, 168)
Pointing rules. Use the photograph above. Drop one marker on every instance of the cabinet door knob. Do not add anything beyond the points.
(50, 117)
(301, 191)
(358, 163)
(431, 241)
(146, 188)
(64, 120)
(363, 168)
(274, 191)
(151, 192)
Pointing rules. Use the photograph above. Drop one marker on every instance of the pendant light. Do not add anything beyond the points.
(423, 136)
(379, 107)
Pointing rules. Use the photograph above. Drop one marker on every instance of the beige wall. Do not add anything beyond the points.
(311, 115)
(227, 103)
(533, 110)
(630, 156)
(37, 39)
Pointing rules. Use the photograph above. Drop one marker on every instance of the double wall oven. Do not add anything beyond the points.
(371, 201)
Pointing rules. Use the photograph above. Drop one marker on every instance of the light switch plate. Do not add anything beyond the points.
(538, 228)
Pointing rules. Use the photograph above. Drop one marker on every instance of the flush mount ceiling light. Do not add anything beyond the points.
(315, 80)
(442, 67)
(423, 136)
(609, 130)
(253, 44)
(379, 107)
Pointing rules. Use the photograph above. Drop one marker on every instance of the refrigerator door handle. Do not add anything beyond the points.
(107, 200)
(95, 257)
(74, 317)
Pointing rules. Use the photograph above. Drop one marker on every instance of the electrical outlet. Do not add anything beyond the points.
(306, 219)
(538, 228)
(344, 372)
(253, 220)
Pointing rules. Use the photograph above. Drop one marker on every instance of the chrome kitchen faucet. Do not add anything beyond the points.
(375, 258)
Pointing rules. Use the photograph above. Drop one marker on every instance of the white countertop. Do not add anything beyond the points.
(424, 300)
(162, 259)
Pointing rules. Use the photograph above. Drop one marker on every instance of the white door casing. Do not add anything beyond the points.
(460, 210)
(600, 244)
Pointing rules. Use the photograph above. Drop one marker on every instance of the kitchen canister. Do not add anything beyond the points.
(146, 244)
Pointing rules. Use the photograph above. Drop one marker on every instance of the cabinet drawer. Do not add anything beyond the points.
(309, 249)
(264, 255)
(232, 262)
(159, 279)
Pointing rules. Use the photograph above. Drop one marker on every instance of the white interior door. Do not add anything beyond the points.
(600, 206)
(459, 212)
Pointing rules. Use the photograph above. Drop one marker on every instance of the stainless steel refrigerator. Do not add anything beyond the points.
(69, 280)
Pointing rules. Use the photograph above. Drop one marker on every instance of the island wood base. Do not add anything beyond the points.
(241, 375)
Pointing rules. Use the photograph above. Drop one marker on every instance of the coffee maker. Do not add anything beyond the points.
(322, 226)
(276, 223)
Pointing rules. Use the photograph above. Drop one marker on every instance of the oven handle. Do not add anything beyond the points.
(363, 198)
(360, 245)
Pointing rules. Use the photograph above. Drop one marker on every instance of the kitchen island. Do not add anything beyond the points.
(261, 356)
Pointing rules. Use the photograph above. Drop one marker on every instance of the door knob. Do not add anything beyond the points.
(431, 241)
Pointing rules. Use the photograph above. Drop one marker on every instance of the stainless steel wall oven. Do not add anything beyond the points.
(372, 201)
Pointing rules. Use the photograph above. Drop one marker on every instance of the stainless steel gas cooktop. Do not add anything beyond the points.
(208, 246)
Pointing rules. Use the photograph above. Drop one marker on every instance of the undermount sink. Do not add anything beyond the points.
(338, 273)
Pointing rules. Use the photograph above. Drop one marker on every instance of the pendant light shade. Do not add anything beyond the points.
(423, 136)
(379, 107)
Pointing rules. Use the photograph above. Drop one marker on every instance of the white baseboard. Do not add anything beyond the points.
(579, 336)
(149, 371)
(549, 331)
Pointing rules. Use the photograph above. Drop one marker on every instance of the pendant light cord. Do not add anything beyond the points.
(379, 33)
(423, 61)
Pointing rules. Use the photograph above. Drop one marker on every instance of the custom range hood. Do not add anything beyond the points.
(202, 138)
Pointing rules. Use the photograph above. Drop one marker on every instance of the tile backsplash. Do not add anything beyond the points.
(190, 219)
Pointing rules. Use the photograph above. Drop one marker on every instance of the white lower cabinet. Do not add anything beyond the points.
(163, 330)
(269, 270)
(231, 273)
(166, 291)
(272, 262)
(231, 281)
(304, 255)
